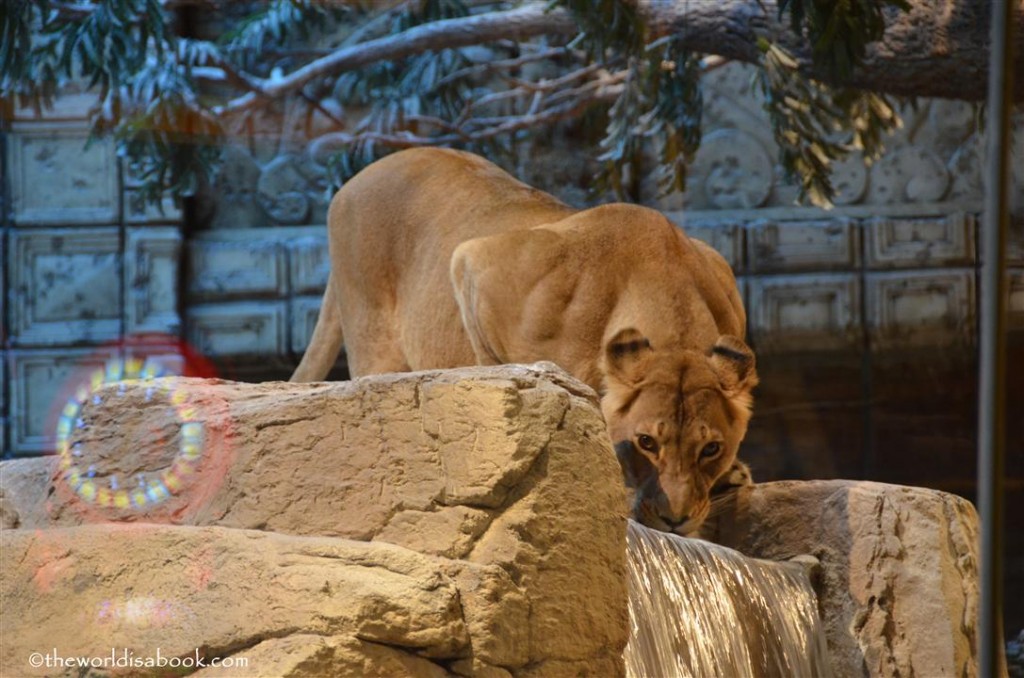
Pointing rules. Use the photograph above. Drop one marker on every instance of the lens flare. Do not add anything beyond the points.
(151, 489)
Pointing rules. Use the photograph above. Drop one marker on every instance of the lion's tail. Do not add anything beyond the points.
(326, 342)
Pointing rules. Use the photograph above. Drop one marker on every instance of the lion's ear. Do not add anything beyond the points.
(735, 365)
(625, 355)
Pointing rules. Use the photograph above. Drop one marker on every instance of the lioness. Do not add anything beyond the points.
(616, 295)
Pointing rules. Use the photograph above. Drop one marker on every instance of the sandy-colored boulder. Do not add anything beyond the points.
(24, 485)
(502, 478)
(898, 583)
(142, 587)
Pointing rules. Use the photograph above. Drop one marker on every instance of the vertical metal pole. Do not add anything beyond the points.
(992, 342)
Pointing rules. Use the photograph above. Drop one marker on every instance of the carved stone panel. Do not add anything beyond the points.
(3, 264)
(168, 360)
(151, 274)
(71, 104)
(732, 170)
(65, 286)
(310, 264)
(304, 314)
(138, 211)
(803, 246)
(56, 180)
(1015, 246)
(915, 308)
(920, 243)
(227, 269)
(726, 237)
(801, 312)
(40, 381)
(4, 445)
(1015, 306)
(249, 329)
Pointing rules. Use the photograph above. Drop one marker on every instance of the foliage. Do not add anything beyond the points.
(169, 100)
(815, 125)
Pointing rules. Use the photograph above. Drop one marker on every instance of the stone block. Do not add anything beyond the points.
(138, 211)
(725, 237)
(815, 402)
(23, 494)
(65, 286)
(151, 276)
(189, 592)
(799, 312)
(921, 243)
(923, 418)
(168, 360)
(304, 312)
(4, 445)
(50, 159)
(1015, 305)
(733, 170)
(916, 308)
(256, 329)
(777, 247)
(70, 105)
(236, 268)
(4, 264)
(898, 588)
(310, 264)
(1015, 246)
(40, 383)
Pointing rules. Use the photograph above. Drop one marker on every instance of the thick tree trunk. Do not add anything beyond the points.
(936, 49)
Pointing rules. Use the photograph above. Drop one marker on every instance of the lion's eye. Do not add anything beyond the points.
(646, 442)
(710, 450)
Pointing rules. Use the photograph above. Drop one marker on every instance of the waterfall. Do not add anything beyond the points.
(703, 610)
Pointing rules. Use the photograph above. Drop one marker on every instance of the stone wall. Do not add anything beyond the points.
(468, 522)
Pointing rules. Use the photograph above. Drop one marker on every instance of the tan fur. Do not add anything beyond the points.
(616, 294)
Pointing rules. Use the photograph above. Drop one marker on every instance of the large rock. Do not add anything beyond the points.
(503, 478)
(898, 586)
(85, 590)
(24, 486)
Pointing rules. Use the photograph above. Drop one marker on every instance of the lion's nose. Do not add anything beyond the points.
(673, 524)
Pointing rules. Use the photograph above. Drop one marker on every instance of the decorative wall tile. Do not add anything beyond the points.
(310, 264)
(168, 359)
(800, 312)
(305, 311)
(55, 180)
(138, 211)
(725, 237)
(1015, 246)
(803, 246)
(227, 269)
(732, 170)
(920, 243)
(3, 268)
(41, 381)
(69, 105)
(152, 263)
(914, 308)
(4, 446)
(254, 329)
(65, 286)
(1015, 306)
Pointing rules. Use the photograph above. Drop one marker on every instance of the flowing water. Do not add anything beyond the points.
(703, 610)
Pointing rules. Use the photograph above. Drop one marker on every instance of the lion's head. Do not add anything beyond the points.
(676, 419)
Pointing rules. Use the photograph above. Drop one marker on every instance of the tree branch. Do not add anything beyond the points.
(932, 50)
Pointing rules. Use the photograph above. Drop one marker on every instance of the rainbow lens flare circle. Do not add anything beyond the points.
(150, 488)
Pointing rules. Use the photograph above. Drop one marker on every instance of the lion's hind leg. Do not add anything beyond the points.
(326, 342)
